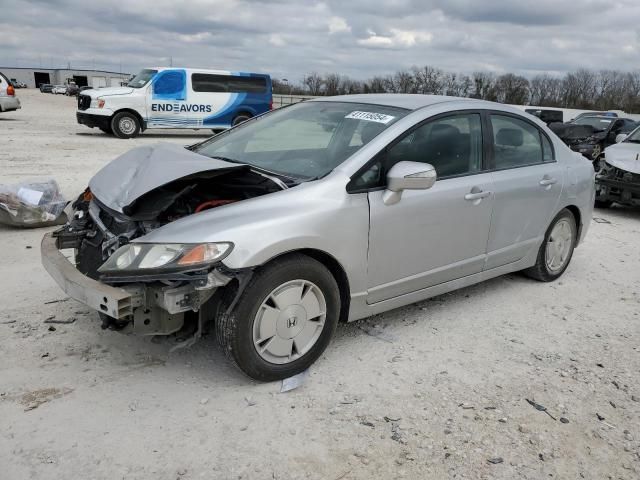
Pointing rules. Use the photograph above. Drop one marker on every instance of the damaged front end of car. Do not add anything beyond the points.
(618, 180)
(150, 288)
(581, 138)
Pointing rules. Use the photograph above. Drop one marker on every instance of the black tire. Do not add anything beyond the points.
(603, 203)
(540, 271)
(241, 117)
(234, 331)
(125, 125)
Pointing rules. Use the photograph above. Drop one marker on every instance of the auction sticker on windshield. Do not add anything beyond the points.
(371, 117)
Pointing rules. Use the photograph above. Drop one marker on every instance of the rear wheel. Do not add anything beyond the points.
(557, 249)
(125, 125)
(242, 117)
(283, 320)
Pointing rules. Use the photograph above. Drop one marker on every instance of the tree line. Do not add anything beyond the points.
(582, 89)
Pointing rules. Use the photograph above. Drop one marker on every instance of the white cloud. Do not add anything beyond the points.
(277, 40)
(338, 25)
(397, 38)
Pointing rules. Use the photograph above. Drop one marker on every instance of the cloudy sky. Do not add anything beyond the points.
(289, 38)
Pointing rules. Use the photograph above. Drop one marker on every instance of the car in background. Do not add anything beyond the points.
(596, 114)
(546, 115)
(8, 99)
(276, 230)
(46, 87)
(590, 135)
(59, 89)
(176, 98)
(17, 84)
(618, 172)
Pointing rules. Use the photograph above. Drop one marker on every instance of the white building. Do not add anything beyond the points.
(33, 77)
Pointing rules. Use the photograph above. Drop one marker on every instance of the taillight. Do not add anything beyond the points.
(11, 91)
(271, 104)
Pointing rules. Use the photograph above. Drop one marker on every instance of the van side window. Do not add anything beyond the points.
(206, 82)
(516, 142)
(169, 85)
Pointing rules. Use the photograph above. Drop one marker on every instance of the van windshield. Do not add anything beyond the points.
(142, 78)
(304, 141)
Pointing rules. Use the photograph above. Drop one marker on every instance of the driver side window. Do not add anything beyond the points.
(452, 144)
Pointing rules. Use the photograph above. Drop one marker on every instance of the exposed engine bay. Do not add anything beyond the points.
(616, 184)
(160, 297)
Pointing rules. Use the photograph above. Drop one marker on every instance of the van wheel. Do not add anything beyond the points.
(557, 249)
(125, 125)
(243, 117)
(283, 320)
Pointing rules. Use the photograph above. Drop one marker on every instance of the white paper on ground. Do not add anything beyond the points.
(29, 196)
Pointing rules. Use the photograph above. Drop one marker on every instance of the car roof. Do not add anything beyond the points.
(409, 101)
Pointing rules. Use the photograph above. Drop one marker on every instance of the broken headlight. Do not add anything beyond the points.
(169, 256)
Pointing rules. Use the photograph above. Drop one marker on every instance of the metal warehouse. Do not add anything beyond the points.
(34, 77)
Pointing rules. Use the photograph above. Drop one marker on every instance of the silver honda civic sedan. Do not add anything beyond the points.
(330, 210)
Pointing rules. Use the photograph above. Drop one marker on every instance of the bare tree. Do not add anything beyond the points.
(512, 89)
(428, 80)
(314, 83)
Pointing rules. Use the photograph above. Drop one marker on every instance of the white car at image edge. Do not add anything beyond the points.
(8, 99)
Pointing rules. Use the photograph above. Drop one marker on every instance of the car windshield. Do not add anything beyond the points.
(598, 123)
(142, 78)
(304, 141)
(634, 137)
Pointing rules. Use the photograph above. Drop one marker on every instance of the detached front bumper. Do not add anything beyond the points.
(91, 120)
(115, 302)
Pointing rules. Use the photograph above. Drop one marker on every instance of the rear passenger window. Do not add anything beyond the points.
(516, 142)
(205, 82)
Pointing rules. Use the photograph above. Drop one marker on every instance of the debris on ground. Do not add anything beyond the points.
(495, 460)
(32, 204)
(564, 420)
(294, 382)
(600, 220)
(377, 332)
(540, 408)
(63, 321)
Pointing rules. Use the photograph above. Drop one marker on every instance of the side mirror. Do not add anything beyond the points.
(621, 137)
(408, 176)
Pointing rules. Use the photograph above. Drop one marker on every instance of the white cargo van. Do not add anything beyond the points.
(176, 98)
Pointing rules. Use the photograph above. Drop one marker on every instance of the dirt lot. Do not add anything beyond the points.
(440, 393)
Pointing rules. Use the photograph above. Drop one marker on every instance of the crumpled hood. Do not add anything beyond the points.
(143, 169)
(625, 156)
(103, 92)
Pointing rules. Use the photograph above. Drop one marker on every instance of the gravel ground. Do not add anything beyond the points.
(434, 390)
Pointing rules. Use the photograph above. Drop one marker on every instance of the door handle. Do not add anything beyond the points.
(476, 196)
(545, 182)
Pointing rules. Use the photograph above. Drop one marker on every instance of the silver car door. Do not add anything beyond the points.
(527, 181)
(436, 235)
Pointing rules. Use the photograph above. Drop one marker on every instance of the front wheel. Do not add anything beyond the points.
(283, 320)
(125, 125)
(557, 249)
